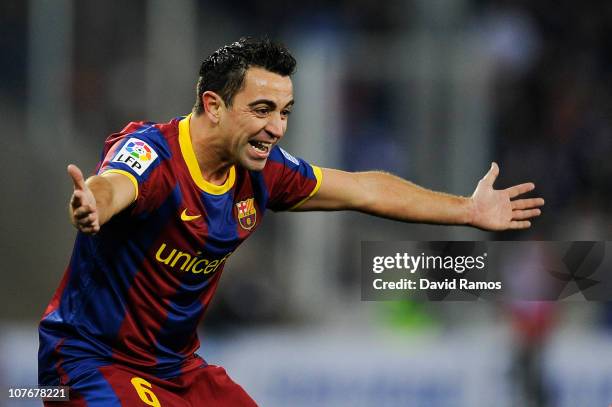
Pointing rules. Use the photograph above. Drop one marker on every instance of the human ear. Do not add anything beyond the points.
(212, 103)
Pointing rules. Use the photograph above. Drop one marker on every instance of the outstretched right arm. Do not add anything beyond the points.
(98, 199)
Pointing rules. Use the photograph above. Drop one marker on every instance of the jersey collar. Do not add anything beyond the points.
(194, 167)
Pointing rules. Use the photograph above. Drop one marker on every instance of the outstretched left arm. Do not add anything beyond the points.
(388, 196)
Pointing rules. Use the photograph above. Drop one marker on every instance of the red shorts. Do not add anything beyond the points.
(116, 385)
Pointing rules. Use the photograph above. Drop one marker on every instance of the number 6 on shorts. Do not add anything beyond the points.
(143, 388)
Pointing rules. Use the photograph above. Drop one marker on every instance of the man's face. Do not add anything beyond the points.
(257, 119)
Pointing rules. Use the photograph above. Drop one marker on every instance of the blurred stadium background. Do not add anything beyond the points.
(432, 90)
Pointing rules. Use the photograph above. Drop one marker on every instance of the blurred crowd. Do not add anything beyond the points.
(552, 111)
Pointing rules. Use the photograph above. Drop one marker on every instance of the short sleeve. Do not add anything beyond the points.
(291, 181)
(135, 153)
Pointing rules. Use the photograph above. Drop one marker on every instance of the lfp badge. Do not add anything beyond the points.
(136, 154)
(139, 149)
(247, 215)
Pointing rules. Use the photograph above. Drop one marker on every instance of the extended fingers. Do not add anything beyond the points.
(520, 224)
(525, 214)
(520, 189)
(527, 203)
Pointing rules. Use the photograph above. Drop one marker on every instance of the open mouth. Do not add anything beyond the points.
(260, 146)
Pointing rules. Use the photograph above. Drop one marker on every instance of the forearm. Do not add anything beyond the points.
(104, 195)
(388, 196)
(392, 197)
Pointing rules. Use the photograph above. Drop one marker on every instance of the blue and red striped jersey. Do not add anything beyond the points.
(135, 292)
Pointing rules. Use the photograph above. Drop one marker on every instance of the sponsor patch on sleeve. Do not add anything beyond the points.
(289, 157)
(136, 154)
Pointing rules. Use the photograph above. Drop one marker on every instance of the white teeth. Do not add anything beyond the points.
(260, 146)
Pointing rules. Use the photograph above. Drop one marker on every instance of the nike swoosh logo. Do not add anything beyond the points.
(187, 218)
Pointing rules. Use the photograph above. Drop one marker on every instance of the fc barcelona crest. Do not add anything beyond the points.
(247, 215)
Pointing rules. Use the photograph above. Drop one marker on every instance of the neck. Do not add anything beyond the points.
(208, 147)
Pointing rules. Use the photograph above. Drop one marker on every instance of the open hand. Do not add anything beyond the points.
(497, 209)
(83, 210)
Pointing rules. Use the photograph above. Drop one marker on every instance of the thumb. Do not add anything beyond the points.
(77, 177)
(491, 176)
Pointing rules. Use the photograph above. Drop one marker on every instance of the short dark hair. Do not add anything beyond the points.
(224, 70)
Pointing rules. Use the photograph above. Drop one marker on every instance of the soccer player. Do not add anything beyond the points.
(171, 202)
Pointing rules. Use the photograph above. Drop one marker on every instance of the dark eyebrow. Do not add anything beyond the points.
(269, 103)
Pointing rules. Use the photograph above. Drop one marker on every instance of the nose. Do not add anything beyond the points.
(276, 125)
